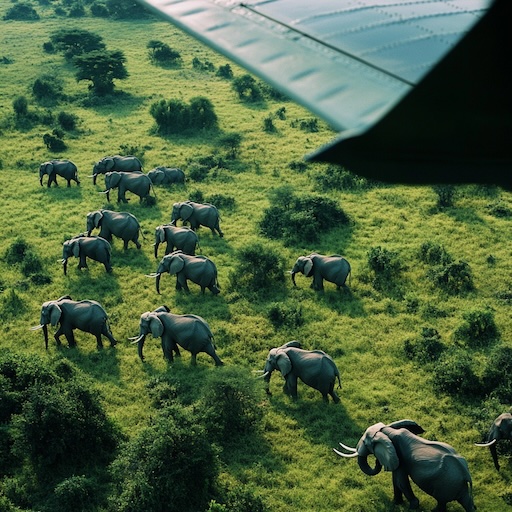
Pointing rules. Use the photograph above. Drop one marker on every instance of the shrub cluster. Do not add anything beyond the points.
(225, 71)
(453, 277)
(454, 375)
(336, 177)
(47, 88)
(445, 195)
(478, 328)
(300, 219)
(175, 116)
(22, 254)
(282, 314)
(434, 254)
(162, 54)
(427, 348)
(21, 11)
(247, 88)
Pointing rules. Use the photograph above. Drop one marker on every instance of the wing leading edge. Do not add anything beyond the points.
(417, 89)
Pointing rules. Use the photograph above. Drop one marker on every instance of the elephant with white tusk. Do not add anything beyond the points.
(53, 168)
(313, 367)
(84, 247)
(197, 214)
(334, 269)
(124, 225)
(85, 315)
(435, 467)
(115, 163)
(182, 239)
(166, 176)
(191, 332)
(136, 182)
(500, 429)
(198, 269)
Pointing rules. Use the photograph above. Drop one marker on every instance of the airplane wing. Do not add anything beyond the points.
(416, 88)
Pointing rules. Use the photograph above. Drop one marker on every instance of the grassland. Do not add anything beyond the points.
(292, 466)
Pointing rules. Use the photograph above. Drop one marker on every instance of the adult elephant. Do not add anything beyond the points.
(85, 315)
(123, 225)
(136, 182)
(198, 269)
(182, 239)
(115, 163)
(313, 367)
(83, 247)
(334, 269)
(435, 467)
(53, 168)
(197, 214)
(166, 175)
(500, 429)
(191, 332)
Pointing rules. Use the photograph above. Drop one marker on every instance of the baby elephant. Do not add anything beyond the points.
(84, 247)
(313, 367)
(189, 331)
(86, 315)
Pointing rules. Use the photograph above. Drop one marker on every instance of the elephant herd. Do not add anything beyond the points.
(435, 467)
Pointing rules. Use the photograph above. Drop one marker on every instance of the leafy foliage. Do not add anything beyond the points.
(101, 67)
(427, 348)
(247, 88)
(161, 53)
(283, 314)
(434, 254)
(445, 195)
(22, 11)
(454, 277)
(74, 42)
(454, 375)
(47, 87)
(338, 178)
(478, 328)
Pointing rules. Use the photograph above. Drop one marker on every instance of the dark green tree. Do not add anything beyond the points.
(73, 42)
(22, 11)
(101, 67)
(247, 88)
(161, 53)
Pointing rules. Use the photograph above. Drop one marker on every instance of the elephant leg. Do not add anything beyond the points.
(334, 395)
(181, 282)
(99, 343)
(213, 288)
(402, 485)
(71, 338)
(440, 507)
(57, 336)
(83, 262)
(193, 360)
(291, 387)
(69, 183)
(106, 332)
(137, 243)
(108, 266)
(167, 350)
(125, 245)
(318, 284)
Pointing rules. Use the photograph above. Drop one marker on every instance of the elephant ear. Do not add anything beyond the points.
(308, 266)
(55, 314)
(76, 248)
(283, 362)
(385, 452)
(410, 425)
(156, 326)
(186, 211)
(177, 264)
(96, 218)
(160, 233)
(109, 163)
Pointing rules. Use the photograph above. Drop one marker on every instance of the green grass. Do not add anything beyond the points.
(291, 465)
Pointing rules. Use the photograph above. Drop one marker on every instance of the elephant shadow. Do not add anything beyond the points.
(63, 193)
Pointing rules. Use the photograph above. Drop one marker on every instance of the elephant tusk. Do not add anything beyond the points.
(258, 371)
(36, 327)
(91, 175)
(136, 339)
(104, 191)
(490, 443)
(154, 274)
(348, 448)
(262, 376)
(347, 455)
(288, 272)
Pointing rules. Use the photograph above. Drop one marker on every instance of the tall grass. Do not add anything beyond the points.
(291, 465)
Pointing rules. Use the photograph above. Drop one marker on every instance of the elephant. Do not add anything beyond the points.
(166, 176)
(191, 332)
(182, 239)
(197, 214)
(500, 429)
(86, 315)
(116, 163)
(198, 269)
(53, 168)
(313, 367)
(124, 225)
(136, 182)
(434, 466)
(334, 269)
(84, 247)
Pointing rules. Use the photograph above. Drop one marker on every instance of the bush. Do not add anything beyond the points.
(281, 314)
(247, 88)
(497, 374)
(99, 9)
(16, 251)
(231, 143)
(259, 268)
(20, 106)
(54, 143)
(22, 11)
(170, 465)
(175, 116)
(221, 201)
(75, 493)
(268, 124)
(126, 9)
(338, 178)
(478, 328)
(300, 219)
(445, 195)
(47, 87)
(383, 262)
(31, 264)
(230, 406)
(74, 42)
(454, 277)
(161, 53)
(428, 348)
(225, 71)
(77, 10)
(454, 375)
(67, 121)
(240, 498)
(201, 65)
(499, 209)
(434, 254)
(12, 305)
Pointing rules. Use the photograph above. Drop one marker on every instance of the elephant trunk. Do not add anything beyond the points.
(157, 281)
(108, 195)
(362, 460)
(156, 249)
(65, 266)
(140, 346)
(45, 332)
(41, 178)
(293, 277)
(494, 454)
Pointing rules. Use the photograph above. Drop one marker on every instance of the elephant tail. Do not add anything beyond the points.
(339, 379)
